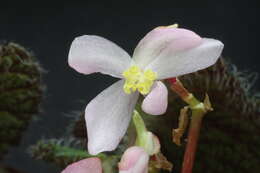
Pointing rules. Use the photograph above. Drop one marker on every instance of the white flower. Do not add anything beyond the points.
(165, 52)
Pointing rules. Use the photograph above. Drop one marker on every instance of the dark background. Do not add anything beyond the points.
(47, 28)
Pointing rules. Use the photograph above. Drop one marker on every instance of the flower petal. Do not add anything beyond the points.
(171, 64)
(90, 165)
(159, 39)
(89, 54)
(156, 102)
(107, 117)
(134, 160)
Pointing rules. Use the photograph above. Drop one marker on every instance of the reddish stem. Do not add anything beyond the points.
(191, 146)
(178, 88)
(197, 114)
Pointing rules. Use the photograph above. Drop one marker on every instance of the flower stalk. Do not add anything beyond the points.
(145, 139)
(199, 109)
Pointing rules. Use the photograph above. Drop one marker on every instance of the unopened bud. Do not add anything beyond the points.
(134, 160)
(90, 165)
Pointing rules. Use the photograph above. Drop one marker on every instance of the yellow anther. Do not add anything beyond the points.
(169, 26)
(127, 89)
(136, 79)
(134, 69)
(149, 74)
(173, 26)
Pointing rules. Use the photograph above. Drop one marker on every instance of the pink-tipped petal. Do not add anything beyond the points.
(171, 64)
(161, 38)
(156, 102)
(89, 54)
(134, 160)
(90, 165)
(107, 117)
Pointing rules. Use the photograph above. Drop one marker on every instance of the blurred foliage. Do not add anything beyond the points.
(21, 92)
(229, 136)
(63, 152)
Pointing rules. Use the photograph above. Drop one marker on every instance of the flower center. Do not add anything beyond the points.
(136, 79)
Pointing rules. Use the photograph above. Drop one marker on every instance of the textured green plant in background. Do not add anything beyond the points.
(60, 152)
(229, 138)
(21, 92)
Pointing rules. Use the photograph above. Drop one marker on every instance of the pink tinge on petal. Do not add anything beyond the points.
(173, 64)
(90, 165)
(134, 159)
(182, 39)
(81, 66)
(90, 54)
(156, 102)
(161, 38)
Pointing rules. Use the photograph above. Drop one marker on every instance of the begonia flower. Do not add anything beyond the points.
(163, 53)
(89, 165)
(134, 160)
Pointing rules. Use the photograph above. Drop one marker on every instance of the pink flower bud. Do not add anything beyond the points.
(134, 160)
(90, 165)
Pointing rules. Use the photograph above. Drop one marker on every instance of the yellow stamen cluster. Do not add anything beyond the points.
(136, 79)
